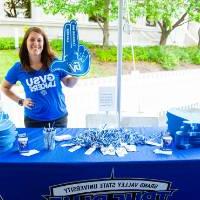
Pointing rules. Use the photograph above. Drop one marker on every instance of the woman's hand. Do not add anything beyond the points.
(70, 81)
(6, 89)
(28, 103)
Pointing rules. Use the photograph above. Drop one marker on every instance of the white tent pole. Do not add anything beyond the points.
(119, 59)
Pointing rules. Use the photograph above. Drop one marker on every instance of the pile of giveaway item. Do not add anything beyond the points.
(8, 132)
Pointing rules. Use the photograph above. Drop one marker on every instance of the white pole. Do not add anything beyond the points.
(119, 60)
(16, 39)
(130, 32)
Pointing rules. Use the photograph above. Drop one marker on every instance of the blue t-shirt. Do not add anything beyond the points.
(45, 90)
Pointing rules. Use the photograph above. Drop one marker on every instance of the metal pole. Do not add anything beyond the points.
(119, 60)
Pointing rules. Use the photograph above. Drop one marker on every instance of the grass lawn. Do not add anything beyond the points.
(9, 57)
(98, 68)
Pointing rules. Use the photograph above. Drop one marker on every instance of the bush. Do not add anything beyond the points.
(153, 53)
(141, 54)
(168, 59)
(127, 54)
(194, 54)
(167, 56)
(7, 43)
(182, 54)
(196, 58)
(56, 44)
(106, 54)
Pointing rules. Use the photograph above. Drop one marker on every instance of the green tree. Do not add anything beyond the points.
(168, 14)
(100, 11)
(11, 7)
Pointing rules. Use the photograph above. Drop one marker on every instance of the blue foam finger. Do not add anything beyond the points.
(81, 50)
(66, 40)
(74, 36)
(82, 65)
(76, 58)
(59, 65)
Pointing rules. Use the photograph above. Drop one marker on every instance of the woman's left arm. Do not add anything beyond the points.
(69, 81)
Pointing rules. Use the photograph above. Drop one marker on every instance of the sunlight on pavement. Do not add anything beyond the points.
(146, 94)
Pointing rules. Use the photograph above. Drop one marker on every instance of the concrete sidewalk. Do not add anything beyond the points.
(149, 94)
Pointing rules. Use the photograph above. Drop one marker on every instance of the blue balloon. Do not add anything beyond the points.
(76, 58)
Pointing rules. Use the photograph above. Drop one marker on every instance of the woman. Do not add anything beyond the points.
(45, 101)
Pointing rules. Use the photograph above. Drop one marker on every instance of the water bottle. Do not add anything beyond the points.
(167, 142)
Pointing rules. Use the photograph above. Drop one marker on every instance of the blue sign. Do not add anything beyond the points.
(76, 58)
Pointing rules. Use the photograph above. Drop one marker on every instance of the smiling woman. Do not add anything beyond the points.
(35, 44)
(35, 52)
(45, 102)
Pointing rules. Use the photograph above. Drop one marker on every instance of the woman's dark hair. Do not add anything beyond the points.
(47, 55)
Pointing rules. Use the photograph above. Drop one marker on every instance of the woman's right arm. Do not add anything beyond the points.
(6, 88)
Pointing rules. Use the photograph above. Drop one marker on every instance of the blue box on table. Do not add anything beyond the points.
(184, 126)
(175, 118)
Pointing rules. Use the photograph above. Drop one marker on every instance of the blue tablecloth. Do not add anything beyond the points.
(37, 177)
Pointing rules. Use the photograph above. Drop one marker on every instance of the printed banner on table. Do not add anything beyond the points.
(112, 189)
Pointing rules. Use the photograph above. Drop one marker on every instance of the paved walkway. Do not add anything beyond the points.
(149, 94)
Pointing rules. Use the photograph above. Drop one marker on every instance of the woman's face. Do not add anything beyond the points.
(35, 43)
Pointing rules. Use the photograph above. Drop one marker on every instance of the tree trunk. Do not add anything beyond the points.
(164, 36)
(165, 31)
(106, 24)
(105, 34)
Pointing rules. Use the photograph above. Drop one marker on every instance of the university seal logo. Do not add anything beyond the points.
(112, 189)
